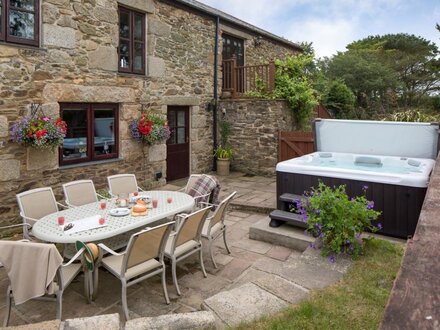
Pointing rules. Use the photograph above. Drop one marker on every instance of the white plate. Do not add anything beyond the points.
(146, 198)
(119, 212)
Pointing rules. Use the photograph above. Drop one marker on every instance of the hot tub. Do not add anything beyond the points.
(397, 185)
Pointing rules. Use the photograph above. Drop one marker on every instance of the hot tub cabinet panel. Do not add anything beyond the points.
(400, 205)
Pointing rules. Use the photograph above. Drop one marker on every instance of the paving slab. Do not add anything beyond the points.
(107, 322)
(47, 325)
(252, 245)
(235, 268)
(245, 303)
(206, 286)
(282, 288)
(198, 320)
(279, 252)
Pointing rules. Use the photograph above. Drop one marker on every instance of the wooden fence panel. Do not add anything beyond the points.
(294, 144)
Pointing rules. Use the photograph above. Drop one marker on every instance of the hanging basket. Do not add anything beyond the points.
(38, 130)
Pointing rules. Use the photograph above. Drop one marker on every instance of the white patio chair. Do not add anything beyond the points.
(186, 240)
(80, 192)
(199, 197)
(122, 184)
(215, 224)
(35, 204)
(142, 259)
(36, 271)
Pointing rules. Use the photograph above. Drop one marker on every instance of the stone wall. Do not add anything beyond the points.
(414, 302)
(77, 62)
(254, 132)
(266, 51)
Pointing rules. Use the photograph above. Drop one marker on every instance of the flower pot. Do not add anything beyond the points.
(223, 166)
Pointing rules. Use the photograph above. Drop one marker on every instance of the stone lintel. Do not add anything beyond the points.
(142, 5)
(181, 100)
(84, 94)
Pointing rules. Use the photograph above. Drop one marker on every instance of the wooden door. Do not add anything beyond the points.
(178, 143)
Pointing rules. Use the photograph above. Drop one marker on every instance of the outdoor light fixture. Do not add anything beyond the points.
(258, 40)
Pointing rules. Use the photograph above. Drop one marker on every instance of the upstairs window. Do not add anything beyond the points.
(131, 49)
(233, 46)
(19, 21)
(92, 132)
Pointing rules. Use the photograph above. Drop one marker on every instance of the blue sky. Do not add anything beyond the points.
(332, 24)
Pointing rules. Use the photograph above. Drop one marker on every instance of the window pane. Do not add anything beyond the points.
(181, 118)
(25, 4)
(124, 24)
(124, 54)
(181, 135)
(138, 51)
(75, 143)
(172, 139)
(138, 28)
(21, 24)
(171, 119)
(104, 139)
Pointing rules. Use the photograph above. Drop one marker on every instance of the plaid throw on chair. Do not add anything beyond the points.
(206, 184)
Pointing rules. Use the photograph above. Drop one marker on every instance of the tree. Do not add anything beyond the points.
(414, 60)
(340, 99)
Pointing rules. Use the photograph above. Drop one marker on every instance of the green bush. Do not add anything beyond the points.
(412, 116)
(340, 99)
(337, 220)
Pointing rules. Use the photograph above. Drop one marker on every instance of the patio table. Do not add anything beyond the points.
(47, 228)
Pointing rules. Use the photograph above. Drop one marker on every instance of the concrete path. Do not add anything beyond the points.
(255, 279)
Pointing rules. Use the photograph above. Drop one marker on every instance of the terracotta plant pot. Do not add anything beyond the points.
(223, 166)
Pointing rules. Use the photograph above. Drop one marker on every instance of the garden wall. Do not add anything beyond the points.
(415, 299)
(254, 132)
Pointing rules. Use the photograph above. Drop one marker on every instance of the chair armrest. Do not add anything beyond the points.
(80, 251)
(100, 196)
(208, 204)
(62, 205)
(28, 218)
(25, 224)
(140, 189)
(106, 248)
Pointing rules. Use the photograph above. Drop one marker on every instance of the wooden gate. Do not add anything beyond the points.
(294, 144)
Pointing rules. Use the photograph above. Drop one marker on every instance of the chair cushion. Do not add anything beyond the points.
(214, 228)
(180, 250)
(114, 265)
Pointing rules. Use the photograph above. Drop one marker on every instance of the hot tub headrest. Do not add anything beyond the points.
(368, 160)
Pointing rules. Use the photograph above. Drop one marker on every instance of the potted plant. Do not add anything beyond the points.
(223, 152)
(336, 220)
(223, 155)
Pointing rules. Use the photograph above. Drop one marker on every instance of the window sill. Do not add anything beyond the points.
(132, 75)
(21, 46)
(96, 162)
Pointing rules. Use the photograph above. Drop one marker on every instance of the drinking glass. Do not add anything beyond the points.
(103, 204)
(61, 220)
(169, 200)
(155, 201)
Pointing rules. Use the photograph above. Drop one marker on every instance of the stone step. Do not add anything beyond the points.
(279, 217)
(243, 304)
(289, 197)
(285, 235)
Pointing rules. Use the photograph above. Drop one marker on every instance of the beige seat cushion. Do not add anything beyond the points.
(185, 247)
(69, 272)
(114, 264)
(214, 229)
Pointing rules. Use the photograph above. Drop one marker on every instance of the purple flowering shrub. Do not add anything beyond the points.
(338, 220)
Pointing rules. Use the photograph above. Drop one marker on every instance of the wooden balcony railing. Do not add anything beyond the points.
(238, 81)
